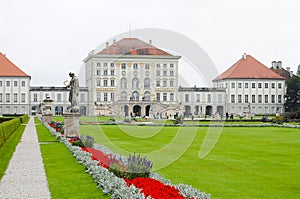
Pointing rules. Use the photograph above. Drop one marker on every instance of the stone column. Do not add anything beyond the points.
(71, 122)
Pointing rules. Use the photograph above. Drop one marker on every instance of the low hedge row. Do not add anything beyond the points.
(8, 127)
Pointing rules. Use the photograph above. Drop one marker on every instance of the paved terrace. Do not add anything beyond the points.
(25, 176)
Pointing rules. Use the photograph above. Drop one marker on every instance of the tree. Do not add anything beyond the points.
(292, 103)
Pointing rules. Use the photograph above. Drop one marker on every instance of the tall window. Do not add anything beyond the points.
(273, 98)
(147, 66)
(112, 97)
(35, 97)
(0, 83)
(239, 98)
(158, 97)
(253, 85)
(165, 65)
(58, 96)
(7, 96)
(147, 83)
(279, 85)
(105, 64)
(172, 97)
(15, 83)
(7, 83)
(105, 97)
(135, 66)
(135, 83)
(266, 99)
(246, 99)
(259, 98)
(239, 85)
(98, 64)
(123, 83)
(82, 97)
(246, 85)
(105, 72)
(164, 97)
(232, 98)
(158, 73)
(98, 82)
(112, 82)
(259, 85)
(123, 66)
(98, 97)
(171, 65)
(23, 83)
(187, 97)
(266, 85)
(171, 83)
(232, 85)
(23, 98)
(112, 72)
(157, 65)
(15, 97)
(279, 99)
(1, 96)
(171, 73)
(208, 98)
(98, 72)
(253, 98)
(147, 96)
(135, 96)
(164, 73)
(112, 64)
(105, 83)
(273, 85)
(165, 83)
(158, 83)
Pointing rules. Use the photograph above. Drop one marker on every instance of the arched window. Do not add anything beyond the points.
(147, 83)
(135, 96)
(135, 83)
(147, 96)
(123, 96)
(123, 83)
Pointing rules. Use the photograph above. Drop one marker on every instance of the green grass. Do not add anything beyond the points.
(9, 147)
(66, 177)
(245, 162)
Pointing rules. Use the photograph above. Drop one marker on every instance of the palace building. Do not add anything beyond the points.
(131, 78)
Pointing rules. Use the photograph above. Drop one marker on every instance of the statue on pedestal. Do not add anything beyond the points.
(74, 92)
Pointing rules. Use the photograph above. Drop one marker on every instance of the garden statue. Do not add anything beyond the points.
(74, 92)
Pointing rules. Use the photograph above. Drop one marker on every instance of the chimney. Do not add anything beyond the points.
(279, 64)
(244, 56)
(288, 69)
(150, 42)
(274, 63)
(107, 44)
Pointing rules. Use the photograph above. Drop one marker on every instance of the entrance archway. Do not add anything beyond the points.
(136, 110)
(220, 110)
(59, 110)
(147, 110)
(208, 110)
(187, 111)
(125, 110)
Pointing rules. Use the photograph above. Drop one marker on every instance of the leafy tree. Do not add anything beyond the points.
(292, 103)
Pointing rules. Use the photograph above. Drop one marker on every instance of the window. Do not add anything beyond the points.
(232, 98)
(266, 98)
(35, 97)
(98, 82)
(158, 97)
(253, 85)
(164, 73)
(239, 85)
(98, 72)
(105, 72)
(112, 97)
(208, 97)
(112, 82)
(147, 96)
(158, 73)
(23, 83)
(171, 97)
(165, 65)
(58, 97)
(171, 65)
(135, 66)
(105, 82)
(273, 85)
(15, 83)
(1, 96)
(187, 97)
(23, 98)
(82, 98)
(279, 99)
(171, 73)
(164, 83)
(135, 83)
(239, 98)
(272, 98)
(259, 85)
(259, 98)
(123, 83)
(123, 66)
(105, 97)
(157, 65)
(7, 83)
(246, 99)
(266, 85)
(164, 97)
(171, 83)
(112, 72)
(253, 98)
(112, 65)
(147, 66)
(279, 85)
(98, 64)
(15, 97)
(157, 83)
(105, 64)
(7, 100)
(246, 85)
(0, 83)
(135, 96)
(123, 96)
(147, 83)
(98, 97)
(232, 85)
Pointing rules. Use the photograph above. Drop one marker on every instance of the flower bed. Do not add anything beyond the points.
(97, 162)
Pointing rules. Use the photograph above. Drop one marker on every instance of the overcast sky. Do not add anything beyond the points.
(47, 39)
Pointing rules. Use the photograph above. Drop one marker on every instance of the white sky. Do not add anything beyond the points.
(48, 39)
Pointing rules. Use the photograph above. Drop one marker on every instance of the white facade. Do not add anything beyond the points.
(265, 96)
(14, 95)
(131, 84)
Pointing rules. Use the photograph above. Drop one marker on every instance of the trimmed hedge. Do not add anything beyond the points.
(7, 128)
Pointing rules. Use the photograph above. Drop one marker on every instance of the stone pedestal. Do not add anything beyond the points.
(47, 117)
(71, 122)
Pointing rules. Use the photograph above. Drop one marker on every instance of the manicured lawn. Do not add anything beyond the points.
(66, 177)
(245, 163)
(9, 147)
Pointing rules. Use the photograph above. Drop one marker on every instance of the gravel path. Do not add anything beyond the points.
(25, 176)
